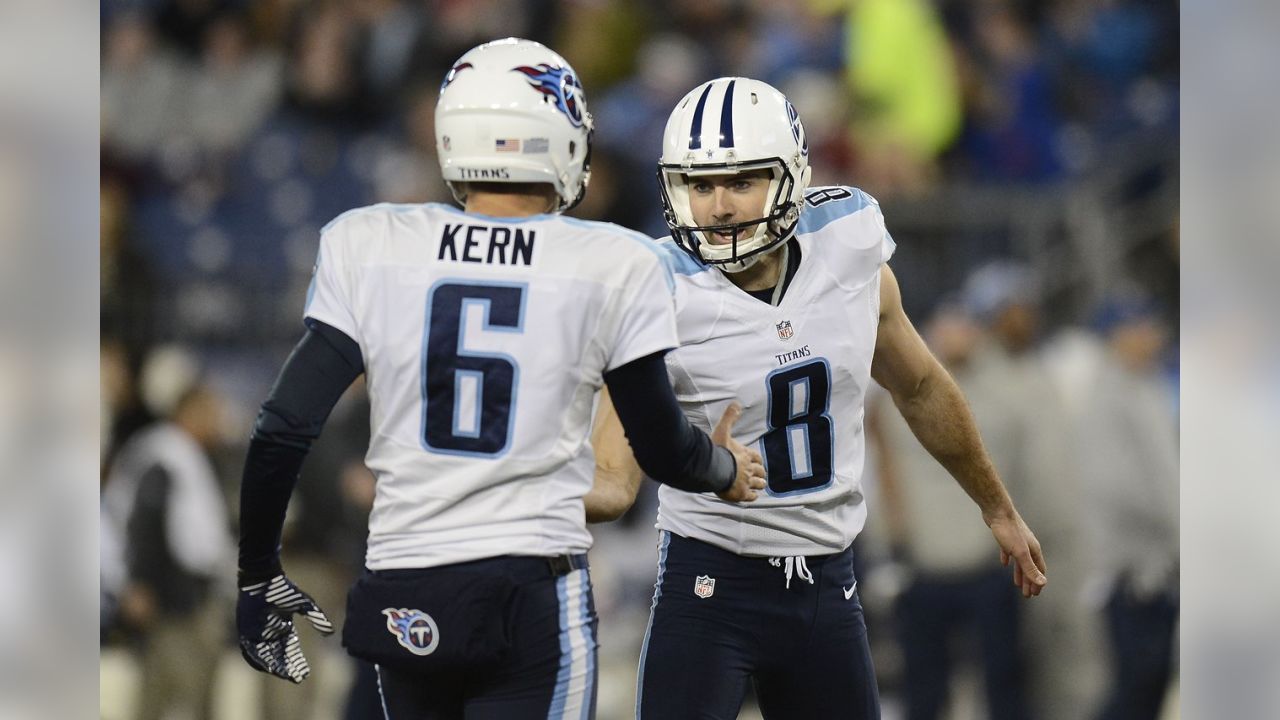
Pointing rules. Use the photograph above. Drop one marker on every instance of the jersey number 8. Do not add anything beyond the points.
(798, 446)
(469, 396)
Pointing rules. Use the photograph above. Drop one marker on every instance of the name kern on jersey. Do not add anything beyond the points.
(801, 371)
(484, 341)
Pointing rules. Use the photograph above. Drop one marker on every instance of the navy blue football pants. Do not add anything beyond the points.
(932, 612)
(548, 674)
(804, 647)
(1143, 631)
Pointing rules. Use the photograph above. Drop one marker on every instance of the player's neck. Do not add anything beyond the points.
(509, 204)
(764, 274)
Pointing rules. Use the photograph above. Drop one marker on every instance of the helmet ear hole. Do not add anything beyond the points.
(573, 149)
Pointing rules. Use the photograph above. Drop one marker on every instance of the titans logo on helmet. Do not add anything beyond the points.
(415, 630)
(797, 129)
(558, 84)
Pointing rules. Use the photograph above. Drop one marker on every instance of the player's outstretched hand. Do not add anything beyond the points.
(750, 477)
(1019, 544)
(264, 619)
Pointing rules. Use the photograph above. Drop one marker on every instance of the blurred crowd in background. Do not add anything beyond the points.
(1025, 154)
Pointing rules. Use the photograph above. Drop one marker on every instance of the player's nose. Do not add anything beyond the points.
(722, 205)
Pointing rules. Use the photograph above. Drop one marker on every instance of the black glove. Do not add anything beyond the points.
(264, 619)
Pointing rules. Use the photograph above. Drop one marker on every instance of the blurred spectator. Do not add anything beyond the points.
(392, 31)
(905, 91)
(185, 23)
(408, 172)
(167, 510)
(957, 584)
(602, 38)
(324, 81)
(719, 27)
(1004, 297)
(1130, 446)
(789, 38)
(1012, 122)
(126, 287)
(235, 88)
(141, 89)
(1113, 60)
(630, 119)
(123, 412)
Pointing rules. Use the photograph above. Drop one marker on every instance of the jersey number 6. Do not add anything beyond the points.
(469, 396)
(797, 448)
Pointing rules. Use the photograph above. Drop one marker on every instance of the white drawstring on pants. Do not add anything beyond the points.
(795, 565)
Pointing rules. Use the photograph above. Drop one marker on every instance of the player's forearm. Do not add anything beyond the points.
(666, 447)
(939, 416)
(612, 494)
(270, 473)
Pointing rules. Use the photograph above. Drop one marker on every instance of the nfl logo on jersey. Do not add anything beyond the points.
(704, 586)
(784, 330)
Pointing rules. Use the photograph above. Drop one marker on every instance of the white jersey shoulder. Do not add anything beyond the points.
(801, 370)
(484, 341)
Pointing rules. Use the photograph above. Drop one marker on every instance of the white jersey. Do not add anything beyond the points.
(484, 341)
(801, 371)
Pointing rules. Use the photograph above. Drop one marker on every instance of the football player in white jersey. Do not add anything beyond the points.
(785, 301)
(484, 336)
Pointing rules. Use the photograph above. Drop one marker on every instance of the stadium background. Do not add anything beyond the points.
(993, 132)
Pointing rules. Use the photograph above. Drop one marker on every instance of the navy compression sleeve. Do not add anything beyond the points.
(322, 366)
(666, 446)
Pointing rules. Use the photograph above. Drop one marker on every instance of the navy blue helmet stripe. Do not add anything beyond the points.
(726, 117)
(695, 132)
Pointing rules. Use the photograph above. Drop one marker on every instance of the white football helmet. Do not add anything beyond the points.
(513, 111)
(732, 125)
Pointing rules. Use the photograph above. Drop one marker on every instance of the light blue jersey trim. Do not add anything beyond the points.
(681, 262)
(814, 219)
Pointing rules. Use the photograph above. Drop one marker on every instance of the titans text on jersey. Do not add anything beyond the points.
(787, 357)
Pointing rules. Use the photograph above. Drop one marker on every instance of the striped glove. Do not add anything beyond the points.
(264, 619)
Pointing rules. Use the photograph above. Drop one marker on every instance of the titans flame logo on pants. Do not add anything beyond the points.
(415, 630)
